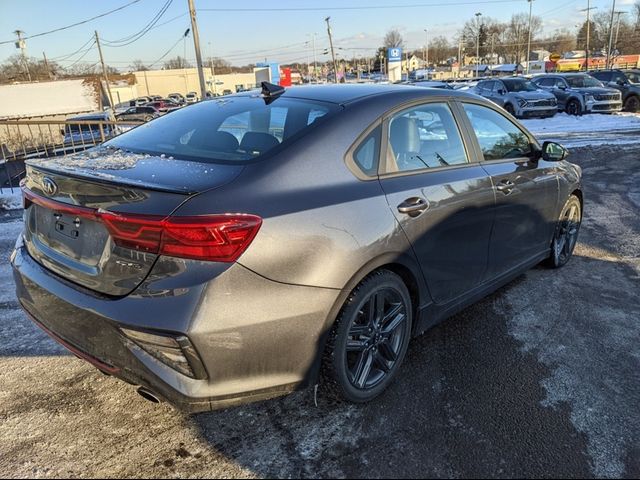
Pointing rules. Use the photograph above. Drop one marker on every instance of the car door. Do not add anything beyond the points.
(561, 91)
(499, 93)
(526, 189)
(441, 199)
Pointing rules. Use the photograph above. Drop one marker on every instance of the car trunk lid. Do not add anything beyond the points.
(67, 198)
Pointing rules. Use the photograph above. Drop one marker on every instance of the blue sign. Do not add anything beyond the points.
(394, 54)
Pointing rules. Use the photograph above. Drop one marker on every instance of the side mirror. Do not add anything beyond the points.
(501, 92)
(622, 83)
(554, 152)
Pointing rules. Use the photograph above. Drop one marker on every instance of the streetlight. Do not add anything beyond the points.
(615, 44)
(479, 21)
(529, 41)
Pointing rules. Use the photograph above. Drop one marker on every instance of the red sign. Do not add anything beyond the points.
(285, 77)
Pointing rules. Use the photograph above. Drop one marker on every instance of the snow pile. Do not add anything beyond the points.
(562, 124)
(10, 199)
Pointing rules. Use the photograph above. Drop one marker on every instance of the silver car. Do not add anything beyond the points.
(519, 96)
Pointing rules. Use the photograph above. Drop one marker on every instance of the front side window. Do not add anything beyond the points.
(499, 138)
(633, 77)
(422, 137)
(226, 130)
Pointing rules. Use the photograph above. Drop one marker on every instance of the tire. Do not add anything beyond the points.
(574, 108)
(566, 233)
(147, 118)
(510, 110)
(364, 350)
(632, 104)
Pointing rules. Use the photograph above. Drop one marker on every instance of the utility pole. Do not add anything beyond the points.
(460, 55)
(529, 41)
(315, 58)
(615, 44)
(333, 54)
(21, 44)
(588, 10)
(213, 69)
(104, 70)
(613, 10)
(426, 49)
(46, 65)
(478, 16)
(196, 44)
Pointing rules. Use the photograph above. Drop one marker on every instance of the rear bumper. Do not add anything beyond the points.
(251, 347)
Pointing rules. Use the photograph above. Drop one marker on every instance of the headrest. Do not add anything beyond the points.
(217, 141)
(257, 143)
(404, 135)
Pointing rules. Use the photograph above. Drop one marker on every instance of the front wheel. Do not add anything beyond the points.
(566, 234)
(369, 340)
(574, 108)
(632, 104)
(510, 110)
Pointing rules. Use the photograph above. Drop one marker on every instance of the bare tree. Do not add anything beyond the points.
(393, 39)
(13, 69)
(138, 66)
(176, 63)
(517, 35)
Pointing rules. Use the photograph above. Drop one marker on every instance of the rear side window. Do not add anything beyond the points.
(226, 130)
(498, 137)
(367, 153)
(422, 137)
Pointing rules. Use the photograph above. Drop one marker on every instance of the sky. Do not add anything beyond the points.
(250, 36)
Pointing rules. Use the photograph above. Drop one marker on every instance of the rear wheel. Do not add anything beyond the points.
(148, 118)
(566, 235)
(574, 107)
(632, 104)
(369, 340)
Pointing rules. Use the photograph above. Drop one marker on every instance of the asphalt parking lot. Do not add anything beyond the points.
(540, 379)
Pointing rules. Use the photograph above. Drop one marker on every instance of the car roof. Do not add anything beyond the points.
(346, 93)
(90, 116)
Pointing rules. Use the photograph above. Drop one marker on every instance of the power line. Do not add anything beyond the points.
(69, 55)
(171, 49)
(368, 7)
(123, 42)
(75, 24)
(83, 55)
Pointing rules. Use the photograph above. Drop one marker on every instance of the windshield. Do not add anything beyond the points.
(226, 130)
(583, 81)
(519, 85)
(634, 77)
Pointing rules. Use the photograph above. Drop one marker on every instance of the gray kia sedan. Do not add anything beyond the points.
(255, 244)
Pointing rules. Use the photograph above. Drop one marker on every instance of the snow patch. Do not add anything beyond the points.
(10, 199)
(563, 124)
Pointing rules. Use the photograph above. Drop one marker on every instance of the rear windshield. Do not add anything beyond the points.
(518, 85)
(226, 130)
(583, 81)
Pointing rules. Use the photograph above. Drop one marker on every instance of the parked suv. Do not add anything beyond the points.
(579, 93)
(192, 97)
(627, 81)
(519, 96)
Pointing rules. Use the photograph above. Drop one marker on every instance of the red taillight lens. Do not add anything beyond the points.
(218, 238)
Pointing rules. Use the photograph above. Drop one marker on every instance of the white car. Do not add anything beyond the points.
(192, 97)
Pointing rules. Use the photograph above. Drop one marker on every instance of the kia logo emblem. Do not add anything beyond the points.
(49, 186)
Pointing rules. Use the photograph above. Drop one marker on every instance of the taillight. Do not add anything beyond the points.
(218, 238)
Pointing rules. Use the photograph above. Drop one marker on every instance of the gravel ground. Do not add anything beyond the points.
(540, 379)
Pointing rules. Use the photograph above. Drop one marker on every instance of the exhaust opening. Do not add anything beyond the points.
(147, 395)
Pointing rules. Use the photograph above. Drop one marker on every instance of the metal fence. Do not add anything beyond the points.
(21, 140)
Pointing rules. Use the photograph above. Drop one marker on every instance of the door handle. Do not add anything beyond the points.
(505, 186)
(413, 206)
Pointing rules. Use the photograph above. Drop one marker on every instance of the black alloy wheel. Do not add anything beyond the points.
(370, 338)
(574, 108)
(632, 104)
(510, 110)
(566, 235)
